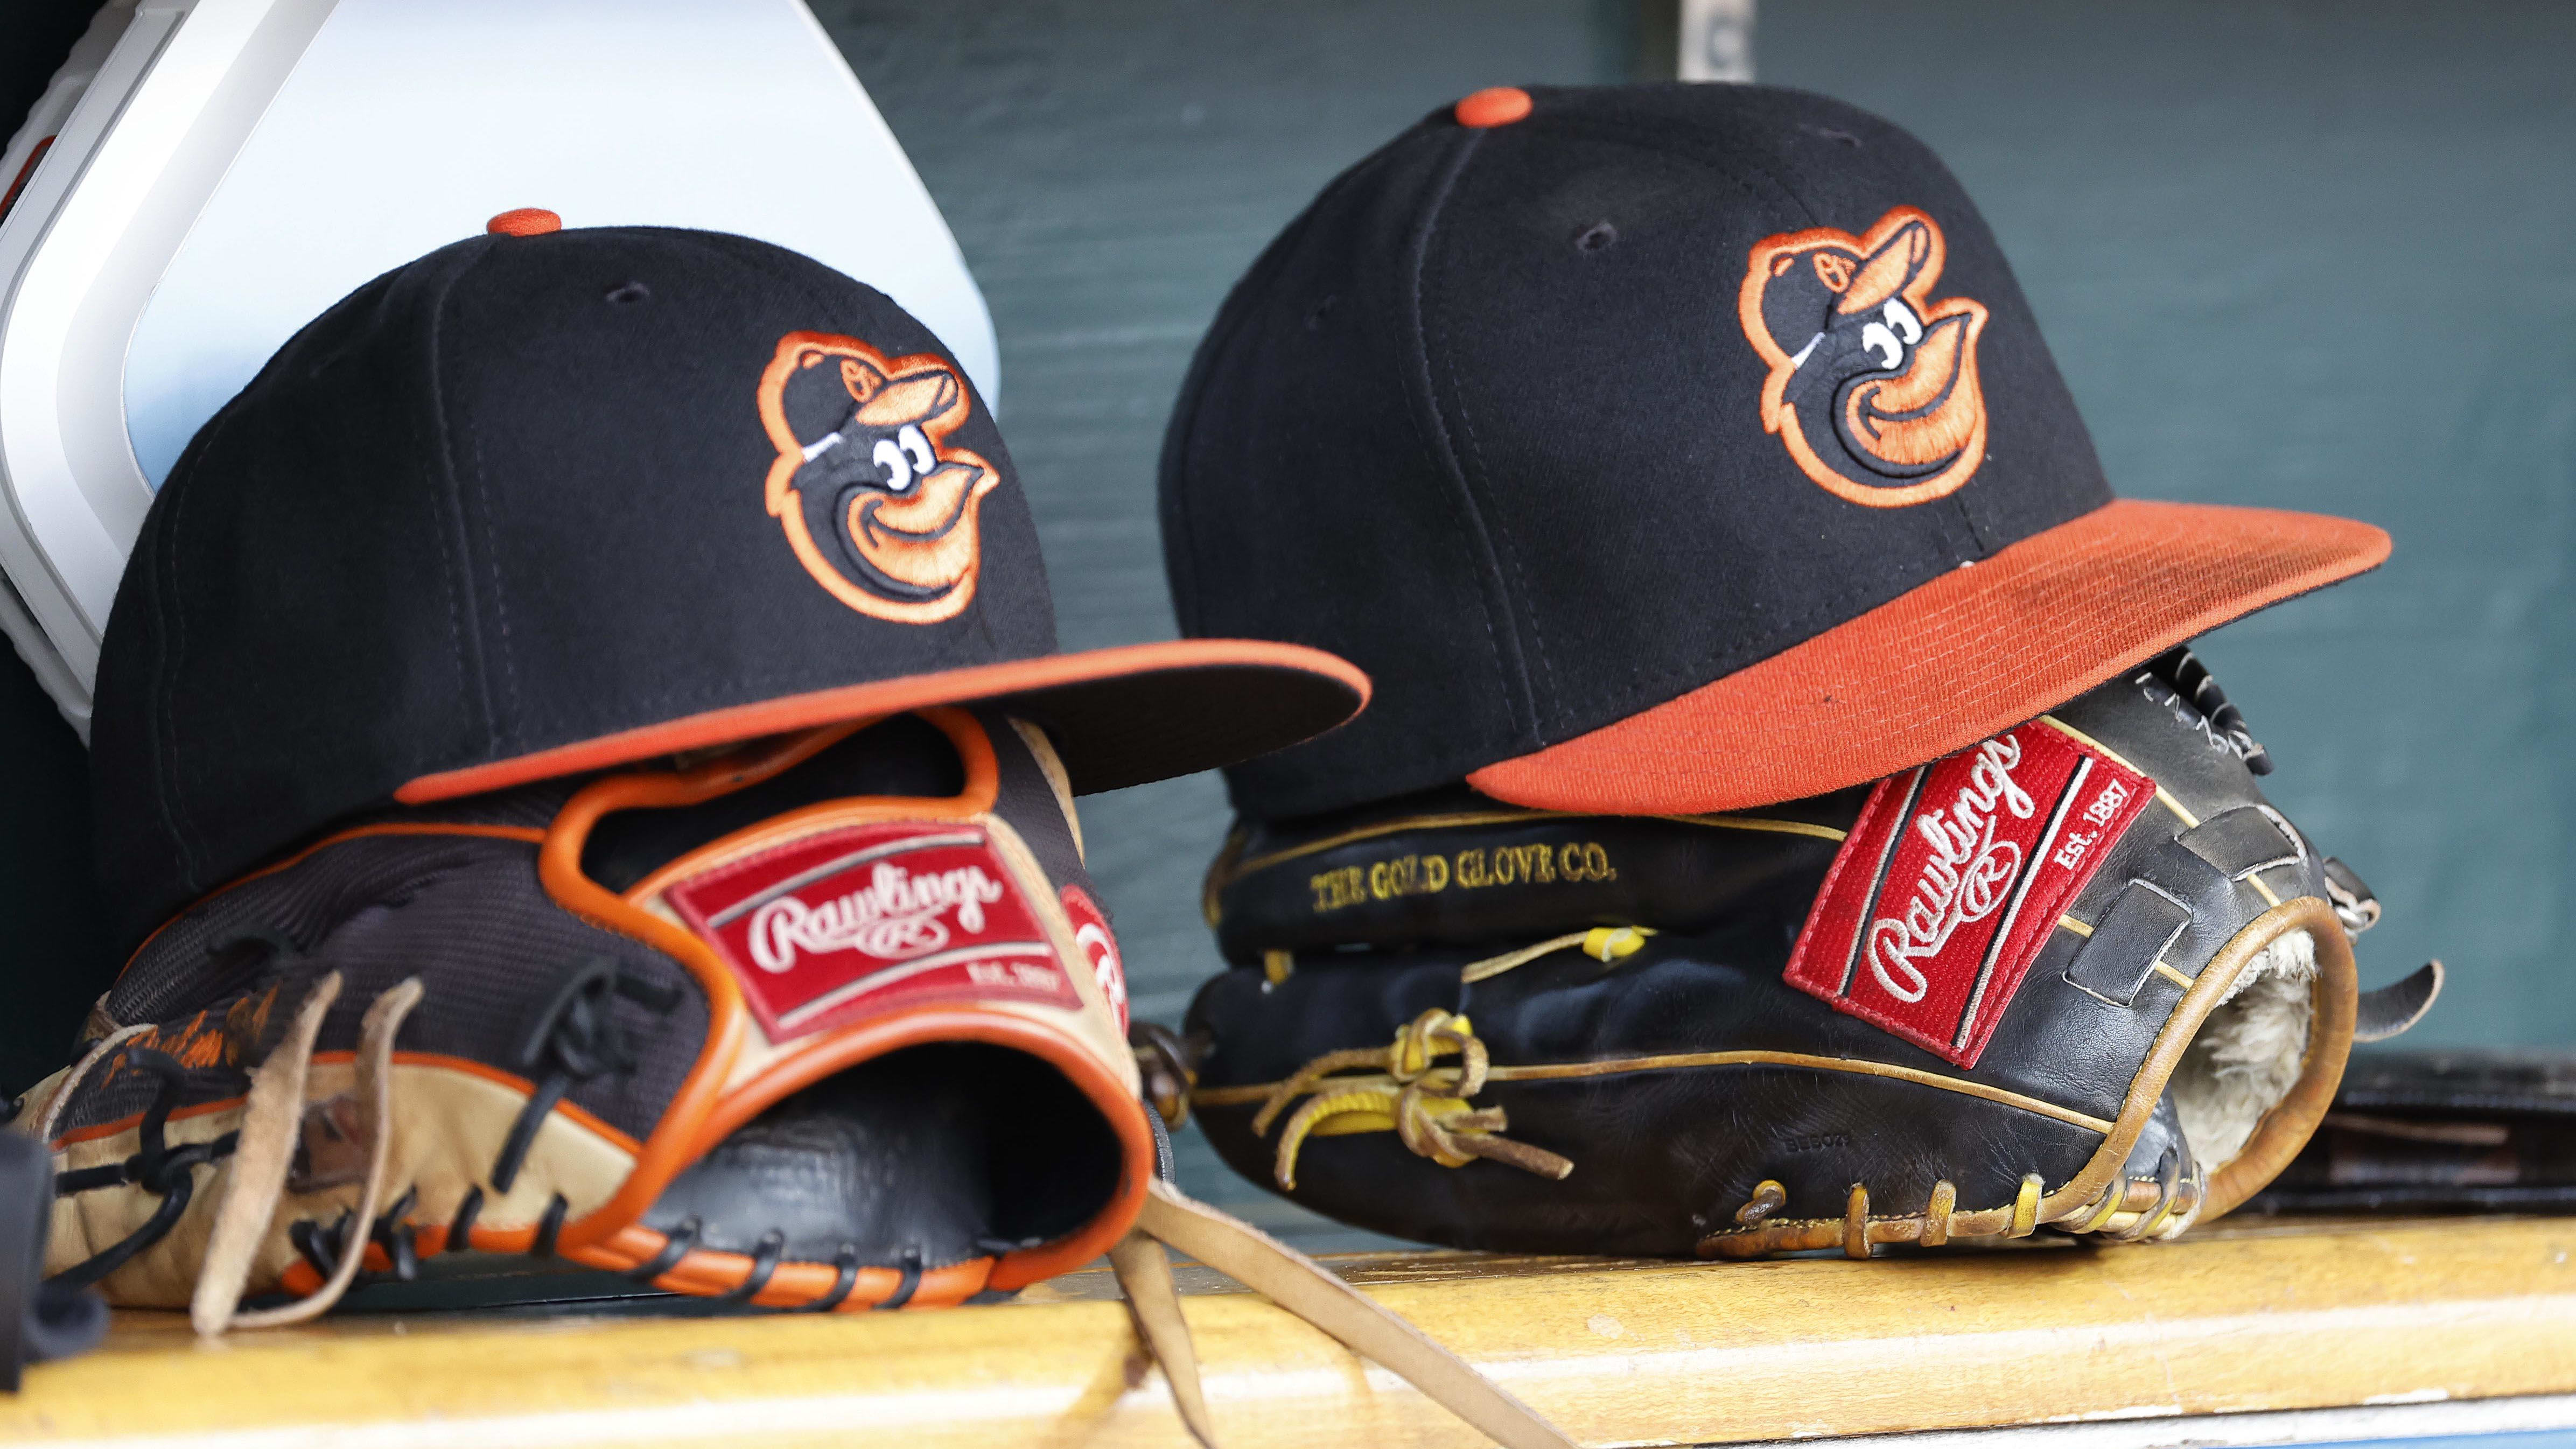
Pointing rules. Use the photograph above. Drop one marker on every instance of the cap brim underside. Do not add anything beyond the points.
(1974, 652)
(1118, 717)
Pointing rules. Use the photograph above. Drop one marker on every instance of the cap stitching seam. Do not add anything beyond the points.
(455, 621)
(492, 565)
(1819, 608)
(1617, 134)
(477, 684)
(1437, 445)
(1230, 324)
(1505, 546)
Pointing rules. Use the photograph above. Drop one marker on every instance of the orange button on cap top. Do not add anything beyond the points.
(524, 221)
(1494, 106)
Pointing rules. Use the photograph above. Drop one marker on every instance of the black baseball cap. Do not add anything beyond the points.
(547, 501)
(1669, 448)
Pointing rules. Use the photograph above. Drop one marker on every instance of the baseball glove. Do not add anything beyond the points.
(830, 1021)
(2080, 976)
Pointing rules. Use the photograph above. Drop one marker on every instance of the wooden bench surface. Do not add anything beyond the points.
(2247, 1315)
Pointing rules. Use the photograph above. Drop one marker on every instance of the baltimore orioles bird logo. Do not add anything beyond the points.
(1873, 385)
(880, 512)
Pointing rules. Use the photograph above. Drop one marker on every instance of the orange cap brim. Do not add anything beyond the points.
(1936, 669)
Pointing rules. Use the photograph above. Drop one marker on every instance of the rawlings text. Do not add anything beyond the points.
(1952, 880)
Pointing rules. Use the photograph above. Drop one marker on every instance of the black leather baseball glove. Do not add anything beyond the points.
(2080, 976)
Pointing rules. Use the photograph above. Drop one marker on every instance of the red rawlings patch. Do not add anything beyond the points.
(1952, 879)
(855, 922)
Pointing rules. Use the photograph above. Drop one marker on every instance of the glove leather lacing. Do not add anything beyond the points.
(576, 1039)
(1426, 1106)
(1304, 1287)
(262, 1150)
(154, 1168)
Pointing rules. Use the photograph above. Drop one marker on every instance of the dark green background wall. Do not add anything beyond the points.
(2315, 255)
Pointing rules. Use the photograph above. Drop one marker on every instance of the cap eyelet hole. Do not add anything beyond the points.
(627, 294)
(1600, 236)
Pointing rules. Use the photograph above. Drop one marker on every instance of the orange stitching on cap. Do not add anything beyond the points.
(524, 221)
(1493, 106)
(1933, 410)
(924, 540)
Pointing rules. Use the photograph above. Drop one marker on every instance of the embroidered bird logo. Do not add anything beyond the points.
(863, 466)
(1873, 385)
